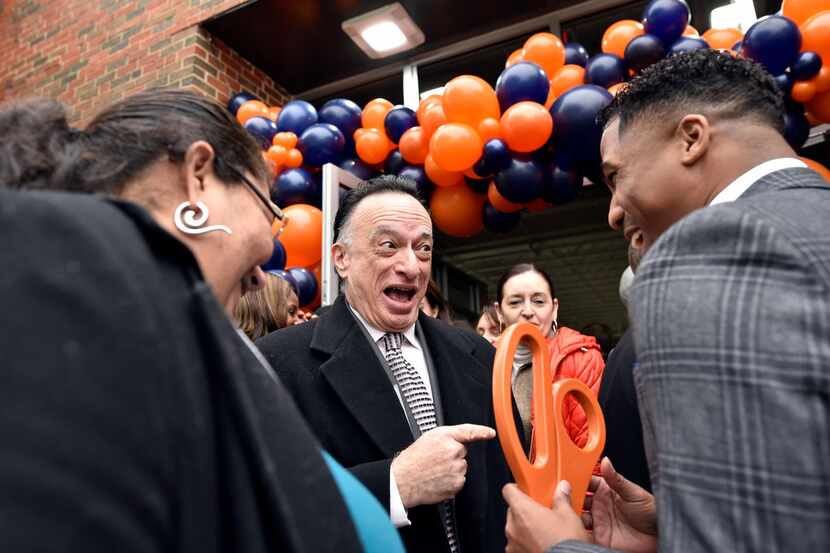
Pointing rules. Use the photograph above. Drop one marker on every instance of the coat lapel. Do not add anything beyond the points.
(359, 380)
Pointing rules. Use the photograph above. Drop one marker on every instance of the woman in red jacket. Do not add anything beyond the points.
(526, 294)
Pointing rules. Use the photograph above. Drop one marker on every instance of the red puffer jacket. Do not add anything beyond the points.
(574, 355)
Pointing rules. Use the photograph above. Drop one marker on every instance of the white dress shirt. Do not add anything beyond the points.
(412, 352)
(737, 187)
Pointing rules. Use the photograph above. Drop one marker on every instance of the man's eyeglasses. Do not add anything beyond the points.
(279, 217)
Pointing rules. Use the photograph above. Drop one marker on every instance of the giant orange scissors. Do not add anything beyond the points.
(557, 456)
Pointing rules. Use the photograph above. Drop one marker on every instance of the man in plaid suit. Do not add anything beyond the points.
(731, 314)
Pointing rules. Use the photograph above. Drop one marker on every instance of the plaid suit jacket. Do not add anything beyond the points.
(731, 311)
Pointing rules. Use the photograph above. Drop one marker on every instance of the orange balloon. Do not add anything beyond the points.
(251, 108)
(414, 145)
(615, 88)
(802, 10)
(515, 57)
(489, 129)
(568, 77)
(293, 158)
(527, 126)
(469, 100)
(691, 31)
(803, 91)
(815, 35)
(277, 154)
(372, 146)
(302, 235)
(375, 113)
(546, 51)
(439, 176)
(822, 80)
(811, 119)
(285, 139)
(818, 168)
(500, 202)
(819, 106)
(455, 147)
(551, 96)
(722, 39)
(538, 205)
(274, 112)
(428, 103)
(619, 34)
(456, 210)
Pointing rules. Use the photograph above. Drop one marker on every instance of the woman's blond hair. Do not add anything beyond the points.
(263, 311)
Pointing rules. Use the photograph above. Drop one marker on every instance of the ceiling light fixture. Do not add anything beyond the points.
(384, 31)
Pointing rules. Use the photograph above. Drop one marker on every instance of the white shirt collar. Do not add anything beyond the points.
(377, 334)
(740, 185)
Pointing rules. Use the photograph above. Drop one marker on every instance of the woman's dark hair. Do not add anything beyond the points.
(127, 137)
(519, 269)
(436, 300)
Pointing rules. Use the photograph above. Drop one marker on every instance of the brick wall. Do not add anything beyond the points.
(90, 53)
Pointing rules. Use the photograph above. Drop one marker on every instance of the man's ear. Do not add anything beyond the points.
(197, 166)
(340, 258)
(695, 134)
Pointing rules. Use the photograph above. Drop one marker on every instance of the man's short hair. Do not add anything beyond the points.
(377, 185)
(702, 81)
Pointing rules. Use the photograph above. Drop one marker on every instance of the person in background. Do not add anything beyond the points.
(488, 325)
(526, 294)
(434, 303)
(270, 308)
(135, 417)
(603, 334)
(731, 317)
(618, 396)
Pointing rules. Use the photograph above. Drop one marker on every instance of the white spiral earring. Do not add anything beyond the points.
(190, 221)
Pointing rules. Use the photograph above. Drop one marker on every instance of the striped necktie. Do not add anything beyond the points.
(416, 395)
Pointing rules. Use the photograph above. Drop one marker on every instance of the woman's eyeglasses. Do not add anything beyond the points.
(279, 217)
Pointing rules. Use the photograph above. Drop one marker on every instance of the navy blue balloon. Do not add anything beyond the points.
(522, 81)
(479, 186)
(482, 169)
(737, 46)
(687, 44)
(278, 257)
(296, 116)
(496, 155)
(774, 42)
(294, 186)
(577, 134)
(343, 114)
(394, 163)
(796, 128)
(321, 143)
(784, 82)
(357, 168)
(399, 120)
(417, 174)
(666, 19)
(262, 129)
(496, 221)
(561, 186)
(806, 66)
(522, 181)
(287, 277)
(306, 285)
(605, 70)
(576, 54)
(642, 51)
(238, 99)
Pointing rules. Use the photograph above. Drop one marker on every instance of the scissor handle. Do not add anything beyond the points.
(537, 479)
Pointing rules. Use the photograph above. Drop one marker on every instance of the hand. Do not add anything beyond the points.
(533, 528)
(622, 514)
(434, 467)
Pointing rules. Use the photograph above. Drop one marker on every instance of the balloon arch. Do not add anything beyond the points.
(482, 155)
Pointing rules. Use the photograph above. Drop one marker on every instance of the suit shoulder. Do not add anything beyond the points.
(290, 338)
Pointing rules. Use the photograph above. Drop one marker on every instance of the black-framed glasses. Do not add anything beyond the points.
(279, 217)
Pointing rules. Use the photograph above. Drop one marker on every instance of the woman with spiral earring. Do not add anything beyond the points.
(526, 294)
(136, 418)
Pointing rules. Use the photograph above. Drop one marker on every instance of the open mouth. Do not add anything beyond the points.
(400, 294)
